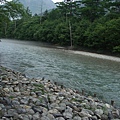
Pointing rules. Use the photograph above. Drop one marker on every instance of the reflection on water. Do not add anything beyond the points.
(72, 70)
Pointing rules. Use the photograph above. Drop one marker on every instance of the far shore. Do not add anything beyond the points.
(96, 55)
(91, 53)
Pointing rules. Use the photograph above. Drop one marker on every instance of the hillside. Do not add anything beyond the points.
(36, 6)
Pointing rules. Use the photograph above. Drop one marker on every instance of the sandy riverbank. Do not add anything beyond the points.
(100, 56)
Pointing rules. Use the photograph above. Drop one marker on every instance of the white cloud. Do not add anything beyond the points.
(52, 0)
(57, 1)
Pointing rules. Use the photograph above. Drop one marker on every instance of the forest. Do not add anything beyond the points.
(89, 24)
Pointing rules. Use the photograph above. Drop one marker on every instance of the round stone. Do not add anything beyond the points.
(6, 90)
(67, 115)
(30, 111)
(50, 116)
(77, 118)
(36, 116)
(60, 118)
(99, 111)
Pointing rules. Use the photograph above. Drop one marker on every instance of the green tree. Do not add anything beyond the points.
(62, 34)
(104, 36)
(92, 9)
(79, 31)
(9, 11)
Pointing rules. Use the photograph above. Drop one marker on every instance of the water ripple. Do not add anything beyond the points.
(78, 70)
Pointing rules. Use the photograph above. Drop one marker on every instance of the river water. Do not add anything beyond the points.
(77, 71)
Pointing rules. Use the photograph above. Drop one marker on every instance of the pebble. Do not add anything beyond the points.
(99, 111)
(22, 98)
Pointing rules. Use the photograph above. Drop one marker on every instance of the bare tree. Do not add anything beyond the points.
(41, 10)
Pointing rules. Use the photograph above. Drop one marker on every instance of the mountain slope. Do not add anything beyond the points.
(38, 6)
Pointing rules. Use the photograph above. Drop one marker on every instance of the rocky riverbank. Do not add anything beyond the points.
(22, 98)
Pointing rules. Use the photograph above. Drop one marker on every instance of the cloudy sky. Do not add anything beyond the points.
(57, 1)
(52, 0)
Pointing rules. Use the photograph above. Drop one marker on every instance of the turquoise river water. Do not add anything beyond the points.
(77, 71)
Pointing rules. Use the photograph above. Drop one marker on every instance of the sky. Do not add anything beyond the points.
(52, 0)
(57, 1)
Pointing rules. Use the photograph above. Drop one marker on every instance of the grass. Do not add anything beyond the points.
(11, 97)
(39, 87)
(76, 100)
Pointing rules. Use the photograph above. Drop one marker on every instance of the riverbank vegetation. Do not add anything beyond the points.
(91, 24)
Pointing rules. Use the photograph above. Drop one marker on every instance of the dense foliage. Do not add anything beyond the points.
(10, 12)
(94, 24)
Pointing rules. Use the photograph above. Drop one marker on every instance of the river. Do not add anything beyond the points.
(77, 70)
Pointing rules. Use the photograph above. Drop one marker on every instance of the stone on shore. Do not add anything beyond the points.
(22, 98)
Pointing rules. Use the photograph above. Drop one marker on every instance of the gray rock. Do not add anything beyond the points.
(34, 100)
(98, 116)
(6, 90)
(116, 113)
(38, 103)
(60, 118)
(15, 83)
(107, 105)
(37, 109)
(94, 118)
(15, 102)
(7, 107)
(25, 93)
(1, 113)
(24, 100)
(45, 110)
(53, 111)
(67, 115)
(104, 117)
(5, 118)
(84, 114)
(85, 118)
(25, 117)
(51, 117)
(99, 111)
(2, 106)
(24, 80)
(16, 89)
(116, 119)
(44, 118)
(77, 118)
(11, 112)
(38, 93)
(33, 93)
(57, 115)
(19, 102)
(30, 111)
(21, 110)
(54, 105)
(30, 117)
(17, 93)
(52, 98)
(7, 101)
(69, 109)
(62, 107)
(61, 98)
(88, 111)
(11, 89)
(16, 116)
(36, 116)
